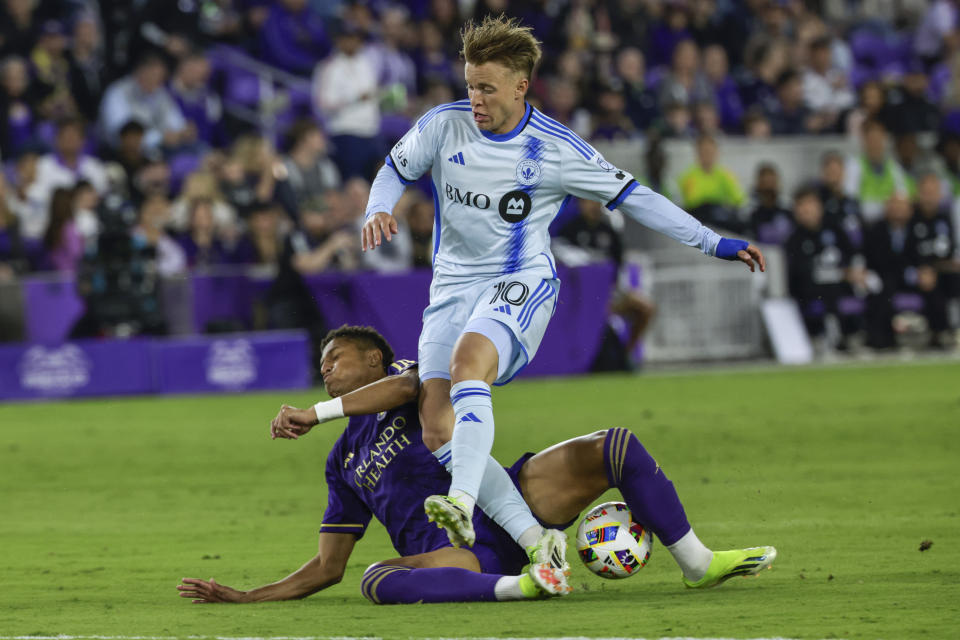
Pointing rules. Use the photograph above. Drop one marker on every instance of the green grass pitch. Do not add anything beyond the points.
(107, 504)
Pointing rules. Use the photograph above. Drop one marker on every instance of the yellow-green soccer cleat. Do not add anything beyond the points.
(449, 514)
(738, 562)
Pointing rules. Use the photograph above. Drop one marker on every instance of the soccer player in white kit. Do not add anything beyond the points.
(501, 170)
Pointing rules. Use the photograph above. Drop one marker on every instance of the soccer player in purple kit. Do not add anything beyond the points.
(380, 467)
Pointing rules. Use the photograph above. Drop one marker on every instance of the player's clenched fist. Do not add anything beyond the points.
(379, 225)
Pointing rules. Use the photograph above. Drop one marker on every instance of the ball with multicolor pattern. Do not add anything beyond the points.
(611, 544)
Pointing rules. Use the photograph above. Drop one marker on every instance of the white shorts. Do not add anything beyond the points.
(521, 302)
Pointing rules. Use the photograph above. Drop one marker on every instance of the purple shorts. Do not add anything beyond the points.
(495, 549)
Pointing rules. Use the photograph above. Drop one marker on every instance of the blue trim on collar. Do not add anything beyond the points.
(503, 137)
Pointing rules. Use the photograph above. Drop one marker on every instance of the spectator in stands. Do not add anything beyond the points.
(200, 106)
(153, 179)
(677, 122)
(87, 72)
(706, 119)
(247, 176)
(685, 84)
(766, 61)
(872, 176)
(307, 171)
(293, 37)
(667, 33)
(31, 212)
(839, 209)
(909, 110)
(434, 63)
(129, 152)
(202, 186)
(18, 120)
(937, 32)
(710, 191)
(871, 105)
(891, 254)
(610, 121)
(641, 101)
(151, 232)
(911, 159)
(200, 243)
(756, 125)
(826, 90)
(933, 231)
(85, 201)
(346, 93)
(18, 26)
(142, 96)
(790, 116)
(51, 70)
(821, 271)
(62, 241)
(13, 255)
(261, 244)
(420, 220)
(770, 222)
(393, 64)
(563, 105)
(948, 147)
(68, 163)
(594, 236)
(726, 95)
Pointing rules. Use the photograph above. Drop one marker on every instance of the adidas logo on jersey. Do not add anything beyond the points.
(469, 417)
(457, 158)
(504, 309)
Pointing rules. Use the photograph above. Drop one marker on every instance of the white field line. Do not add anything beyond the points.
(103, 637)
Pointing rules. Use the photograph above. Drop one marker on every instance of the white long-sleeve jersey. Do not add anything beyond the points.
(496, 194)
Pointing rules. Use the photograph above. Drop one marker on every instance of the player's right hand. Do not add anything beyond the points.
(291, 423)
(379, 225)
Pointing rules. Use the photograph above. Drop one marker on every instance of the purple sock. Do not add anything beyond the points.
(646, 489)
(390, 584)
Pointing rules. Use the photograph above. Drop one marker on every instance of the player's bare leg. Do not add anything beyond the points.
(436, 412)
(451, 575)
(561, 481)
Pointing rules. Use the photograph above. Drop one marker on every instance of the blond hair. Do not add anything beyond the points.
(501, 39)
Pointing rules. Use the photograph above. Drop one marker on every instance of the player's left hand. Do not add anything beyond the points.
(752, 257)
(207, 591)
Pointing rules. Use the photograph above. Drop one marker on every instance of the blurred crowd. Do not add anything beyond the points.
(129, 116)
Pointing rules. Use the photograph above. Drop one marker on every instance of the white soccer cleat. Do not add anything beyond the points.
(551, 550)
(449, 514)
(549, 581)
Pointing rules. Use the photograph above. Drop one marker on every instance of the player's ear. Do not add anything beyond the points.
(374, 358)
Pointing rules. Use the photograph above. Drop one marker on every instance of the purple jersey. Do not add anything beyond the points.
(380, 467)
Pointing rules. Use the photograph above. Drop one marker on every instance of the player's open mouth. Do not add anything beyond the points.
(479, 117)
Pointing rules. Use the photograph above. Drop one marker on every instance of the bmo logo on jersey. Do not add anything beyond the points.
(515, 206)
(467, 198)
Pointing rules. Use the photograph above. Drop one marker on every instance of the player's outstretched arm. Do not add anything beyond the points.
(378, 223)
(384, 394)
(729, 249)
(322, 571)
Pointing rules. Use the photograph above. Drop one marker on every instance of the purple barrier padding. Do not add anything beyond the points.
(574, 333)
(82, 368)
(232, 362)
(52, 307)
(217, 297)
(391, 303)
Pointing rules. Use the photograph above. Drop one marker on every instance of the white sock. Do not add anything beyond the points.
(508, 588)
(692, 556)
(467, 500)
(529, 537)
(499, 499)
(472, 436)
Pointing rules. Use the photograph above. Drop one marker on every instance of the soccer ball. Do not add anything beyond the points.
(611, 544)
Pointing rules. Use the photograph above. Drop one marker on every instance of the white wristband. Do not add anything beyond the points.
(329, 410)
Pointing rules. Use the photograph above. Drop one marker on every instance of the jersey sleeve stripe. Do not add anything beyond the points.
(553, 125)
(562, 127)
(450, 107)
(580, 150)
(393, 166)
(620, 197)
(432, 112)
